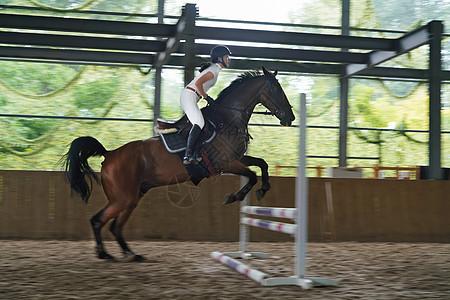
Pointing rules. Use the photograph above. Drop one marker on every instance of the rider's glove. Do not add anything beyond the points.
(210, 100)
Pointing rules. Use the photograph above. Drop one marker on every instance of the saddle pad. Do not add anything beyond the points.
(174, 142)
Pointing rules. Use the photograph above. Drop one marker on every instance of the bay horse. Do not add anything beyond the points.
(129, 171)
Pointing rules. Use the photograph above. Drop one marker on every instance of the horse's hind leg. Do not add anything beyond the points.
(115, 207)
(97, 224)
(240, 169)
(116, 229)
(261, 163)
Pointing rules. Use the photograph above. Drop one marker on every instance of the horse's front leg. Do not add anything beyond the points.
(261, 163)
(239, 169)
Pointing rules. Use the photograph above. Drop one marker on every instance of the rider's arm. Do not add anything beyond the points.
(199, 83)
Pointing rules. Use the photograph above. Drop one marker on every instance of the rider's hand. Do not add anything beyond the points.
(210, 100)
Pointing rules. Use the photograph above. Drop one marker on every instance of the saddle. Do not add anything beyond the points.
(174, 134)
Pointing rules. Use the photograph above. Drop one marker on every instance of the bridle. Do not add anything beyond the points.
(279, 111)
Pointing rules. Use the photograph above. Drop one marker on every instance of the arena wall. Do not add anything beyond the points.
(38, 205)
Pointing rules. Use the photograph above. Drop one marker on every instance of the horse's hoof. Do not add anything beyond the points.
(230, 198)
(260, 193)
(130, 256)
(106, 256)
(138, 258)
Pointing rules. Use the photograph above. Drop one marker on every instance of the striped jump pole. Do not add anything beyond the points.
(258, 276)
(236, 265)
(270, 225)
(277, 212)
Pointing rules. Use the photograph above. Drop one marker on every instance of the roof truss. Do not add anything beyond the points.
(72, 40)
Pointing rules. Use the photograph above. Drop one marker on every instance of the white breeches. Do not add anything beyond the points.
(188, 102)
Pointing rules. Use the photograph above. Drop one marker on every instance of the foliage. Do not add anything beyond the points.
(94, 94)
(36, 79)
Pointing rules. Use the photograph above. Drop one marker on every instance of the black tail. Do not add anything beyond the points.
(76, 165)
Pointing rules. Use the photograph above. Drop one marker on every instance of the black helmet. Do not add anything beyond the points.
(219, 51)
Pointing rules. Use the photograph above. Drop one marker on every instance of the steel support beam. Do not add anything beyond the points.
(316, 68)
(330, 69)
(81, 42)
(288, 54)
(403, 44)
(172, 44)
(293, 38)
(158, 75)
(435, 69)
(86, 25)
(76, 56)
(190, 12)
(343, 91)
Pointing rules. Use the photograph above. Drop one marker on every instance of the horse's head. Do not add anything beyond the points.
(274, 99)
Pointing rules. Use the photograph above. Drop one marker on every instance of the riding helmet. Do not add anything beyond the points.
(219, 51)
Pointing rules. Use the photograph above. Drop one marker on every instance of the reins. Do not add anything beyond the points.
(254, 112)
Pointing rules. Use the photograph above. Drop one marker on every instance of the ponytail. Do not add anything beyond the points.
(204, 66)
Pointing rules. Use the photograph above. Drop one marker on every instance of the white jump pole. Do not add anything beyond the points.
(301, 203)
(243, 230)
(301, 197)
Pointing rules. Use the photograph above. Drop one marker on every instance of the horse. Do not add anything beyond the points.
(129, 171)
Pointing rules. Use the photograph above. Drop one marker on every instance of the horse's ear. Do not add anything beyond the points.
(265, 71)
(275, 73)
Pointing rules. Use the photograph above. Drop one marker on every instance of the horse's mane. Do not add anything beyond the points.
(241, 79)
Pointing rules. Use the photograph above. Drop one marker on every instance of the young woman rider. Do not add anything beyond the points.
(197, 89)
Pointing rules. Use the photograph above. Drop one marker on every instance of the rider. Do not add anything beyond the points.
(195, 90)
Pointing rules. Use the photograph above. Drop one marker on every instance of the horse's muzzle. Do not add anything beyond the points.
(286, 119)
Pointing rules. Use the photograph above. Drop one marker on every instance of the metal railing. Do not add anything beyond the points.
(378, 171)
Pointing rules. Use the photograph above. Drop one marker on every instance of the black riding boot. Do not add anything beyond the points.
(190, 155)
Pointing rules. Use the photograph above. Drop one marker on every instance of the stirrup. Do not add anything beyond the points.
(198, 157)
(191, 160)
(186, 160)
(194, 159)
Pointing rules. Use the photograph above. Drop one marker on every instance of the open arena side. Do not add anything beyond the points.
(158, 45)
